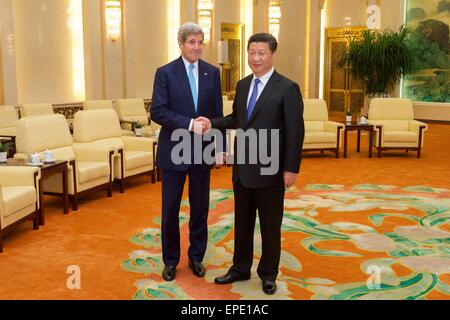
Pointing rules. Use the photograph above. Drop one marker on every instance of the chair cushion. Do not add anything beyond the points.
(36, 109)
(395, 125)
(132, 109)
(400, 136)
(8, 117)
(115, 143)
(88, 171)
(137, 159)
(17, 198)
(314, 126)
(36, 134)
(320, 137)
(12, 131)
(97, 104)
(315, 110)
(94, 125)
(391, 109)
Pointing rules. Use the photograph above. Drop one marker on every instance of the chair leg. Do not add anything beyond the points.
(36, 221)
(418, 153)
(109, 190)
(337, 153)
(153, 176)
(379, 152)
(1, 241)
(122, 187)
(74, 202)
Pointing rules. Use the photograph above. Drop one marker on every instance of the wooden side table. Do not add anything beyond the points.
(358, 127)
(47, 170)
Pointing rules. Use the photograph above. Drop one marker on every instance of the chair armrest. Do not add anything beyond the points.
(331, 126)
(20, 156)
(86, 152)
(415, 126)
(376, 123)
(129, 122)
(138, 143)
(19, 176)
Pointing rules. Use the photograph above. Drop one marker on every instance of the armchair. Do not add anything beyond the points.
(320, 133)
(132, 155)
(131, 111)
(19, 198)
(89, 169)
(395, 127)
(104, 104)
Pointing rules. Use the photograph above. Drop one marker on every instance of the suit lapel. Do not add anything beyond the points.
(203, 78)
(269, 89)
(181, 75)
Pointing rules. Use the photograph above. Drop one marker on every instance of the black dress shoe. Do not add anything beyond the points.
(269, 287)
(230, 278)
(168, 273)
(197, 268)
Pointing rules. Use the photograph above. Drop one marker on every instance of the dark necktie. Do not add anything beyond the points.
(253, 98)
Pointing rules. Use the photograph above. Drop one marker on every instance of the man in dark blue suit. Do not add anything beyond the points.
(184, 90)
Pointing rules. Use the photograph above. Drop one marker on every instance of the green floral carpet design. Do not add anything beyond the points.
(360, 242)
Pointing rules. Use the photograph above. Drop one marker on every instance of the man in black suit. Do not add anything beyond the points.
(184, 89)
(264, 100)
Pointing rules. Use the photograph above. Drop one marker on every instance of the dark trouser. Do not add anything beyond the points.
(172, 191)
(269, 202)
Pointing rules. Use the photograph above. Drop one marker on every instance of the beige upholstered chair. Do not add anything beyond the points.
(395, 127)
(89, 168)
(19, 198)
(320, 133)
(101, 128)
(8, 121)
(105, 104)
(35, 109)
(131, 111)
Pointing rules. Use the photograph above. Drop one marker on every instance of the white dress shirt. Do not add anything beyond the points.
(264, 79)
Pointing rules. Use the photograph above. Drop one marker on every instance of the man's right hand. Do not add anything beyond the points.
(201, 125)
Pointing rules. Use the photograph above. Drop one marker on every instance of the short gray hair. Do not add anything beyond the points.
(187, 29)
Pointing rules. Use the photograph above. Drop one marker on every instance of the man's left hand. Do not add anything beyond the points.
(289, 179)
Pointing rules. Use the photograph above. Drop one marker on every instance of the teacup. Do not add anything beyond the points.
(35, 159)
(48, 156)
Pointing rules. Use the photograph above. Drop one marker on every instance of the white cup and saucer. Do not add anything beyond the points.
(48, 157)
(34, 160)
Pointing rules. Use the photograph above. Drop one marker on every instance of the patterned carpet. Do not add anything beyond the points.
(349, 223)
(366, 241)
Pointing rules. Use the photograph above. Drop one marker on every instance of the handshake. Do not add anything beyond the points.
(201, 125)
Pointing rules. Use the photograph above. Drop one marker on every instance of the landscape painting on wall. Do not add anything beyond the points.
(430, 20)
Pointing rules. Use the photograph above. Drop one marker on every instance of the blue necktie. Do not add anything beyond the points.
(193, 85)
(253, 98)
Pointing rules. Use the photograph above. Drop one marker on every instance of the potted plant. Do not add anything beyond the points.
(348, 116)
(3, 152)
(379, 59)
(138, 129)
